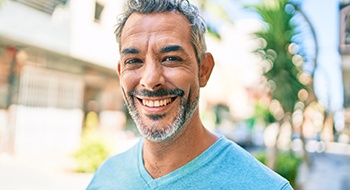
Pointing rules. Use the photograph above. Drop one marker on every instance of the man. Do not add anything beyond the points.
(163, 63)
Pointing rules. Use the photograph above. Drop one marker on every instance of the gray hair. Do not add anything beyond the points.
(190, 11)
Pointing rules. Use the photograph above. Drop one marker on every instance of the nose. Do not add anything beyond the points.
(152, 76)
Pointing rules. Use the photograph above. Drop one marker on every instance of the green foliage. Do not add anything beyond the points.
(287, 164)
(213, 32)
(262, 115)
(263, 112)
(283, 50)
(276, 36)
(93, 149)
(92, 152)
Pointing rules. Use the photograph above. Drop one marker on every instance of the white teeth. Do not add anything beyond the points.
(156, 103)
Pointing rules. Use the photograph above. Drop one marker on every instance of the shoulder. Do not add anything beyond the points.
(240, 166)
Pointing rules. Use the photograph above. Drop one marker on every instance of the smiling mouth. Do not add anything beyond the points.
(157, 103)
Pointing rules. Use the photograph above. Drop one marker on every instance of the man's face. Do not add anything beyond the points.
(158, 73)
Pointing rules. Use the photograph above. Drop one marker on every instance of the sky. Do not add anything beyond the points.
(328, 75)
(324, 16)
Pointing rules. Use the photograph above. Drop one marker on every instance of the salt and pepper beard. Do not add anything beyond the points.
(156, 133)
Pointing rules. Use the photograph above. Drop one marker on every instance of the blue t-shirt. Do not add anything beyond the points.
(224, 165)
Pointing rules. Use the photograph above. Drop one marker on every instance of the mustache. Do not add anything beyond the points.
(157, 93)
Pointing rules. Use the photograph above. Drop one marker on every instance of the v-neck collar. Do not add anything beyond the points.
(188, 168)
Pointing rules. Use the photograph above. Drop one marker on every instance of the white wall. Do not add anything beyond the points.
(70, 30)
(32, 27)
(93, 41)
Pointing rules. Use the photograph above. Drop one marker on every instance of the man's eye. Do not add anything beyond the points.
(172, 59)
(133, 61)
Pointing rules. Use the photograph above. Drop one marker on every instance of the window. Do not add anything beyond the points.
(98, 11)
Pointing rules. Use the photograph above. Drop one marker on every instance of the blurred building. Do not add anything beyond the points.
(58, 58)
(57, 62)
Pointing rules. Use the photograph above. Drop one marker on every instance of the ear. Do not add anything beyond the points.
(118, 68)
(206, 66)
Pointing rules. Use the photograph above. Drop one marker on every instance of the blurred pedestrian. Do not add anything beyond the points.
(163, 64)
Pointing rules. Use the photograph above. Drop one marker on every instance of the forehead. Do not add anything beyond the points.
(170, 27)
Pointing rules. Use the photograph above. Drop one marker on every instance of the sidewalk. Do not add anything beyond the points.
(46, 171)
(34, 173)
(329, 170)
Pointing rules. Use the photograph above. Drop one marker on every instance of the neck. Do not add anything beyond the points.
(161, 158)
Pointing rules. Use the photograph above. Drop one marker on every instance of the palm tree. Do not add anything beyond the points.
(282, 62)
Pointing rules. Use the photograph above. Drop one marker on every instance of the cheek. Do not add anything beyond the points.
(128, 81)
(187, 81)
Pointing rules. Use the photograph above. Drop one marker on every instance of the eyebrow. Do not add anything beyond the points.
(130, 51)
(166, 49)
(172, 48)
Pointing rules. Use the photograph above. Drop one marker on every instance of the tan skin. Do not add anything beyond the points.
(144, 65)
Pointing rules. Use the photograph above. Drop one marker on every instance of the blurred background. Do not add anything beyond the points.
(280, 88)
